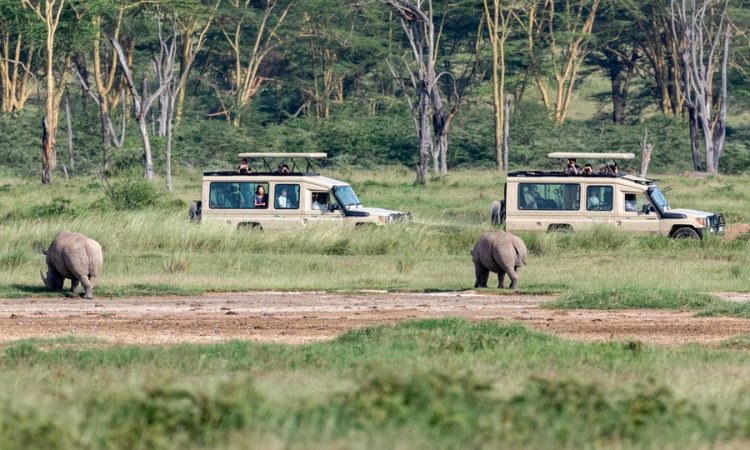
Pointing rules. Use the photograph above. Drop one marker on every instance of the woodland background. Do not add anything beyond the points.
(209, 79)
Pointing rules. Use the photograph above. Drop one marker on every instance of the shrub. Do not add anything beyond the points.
(132, 194)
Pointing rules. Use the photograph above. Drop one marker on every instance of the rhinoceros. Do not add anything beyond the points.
(73, 256)
(498, 252)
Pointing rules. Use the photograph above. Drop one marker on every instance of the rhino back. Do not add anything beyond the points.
(74, 255)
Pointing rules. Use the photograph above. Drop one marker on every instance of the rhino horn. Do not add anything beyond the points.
(44, 279)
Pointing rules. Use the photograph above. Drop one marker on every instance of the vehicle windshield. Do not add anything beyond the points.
(346, 196)
(659, 199)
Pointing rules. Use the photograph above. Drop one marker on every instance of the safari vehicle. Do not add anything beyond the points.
(565, 200)
(263, 198)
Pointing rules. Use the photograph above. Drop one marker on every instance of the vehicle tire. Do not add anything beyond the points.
(194, 211)
(560, 228)
(497, 212)
(685, 233)
(249, 226)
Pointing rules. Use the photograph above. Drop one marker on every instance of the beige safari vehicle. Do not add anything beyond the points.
(571, 200)
(288, 197)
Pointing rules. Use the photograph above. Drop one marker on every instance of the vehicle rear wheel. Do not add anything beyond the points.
(497, 212)
(685, 233)
(194, 212)
(249, 226)
(560, 228)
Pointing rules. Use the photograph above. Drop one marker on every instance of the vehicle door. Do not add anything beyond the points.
(599, 205)
(287, 212)
(635, 213)
(321, 207)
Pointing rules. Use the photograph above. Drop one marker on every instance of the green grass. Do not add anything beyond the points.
(156, 250)
(428, 384)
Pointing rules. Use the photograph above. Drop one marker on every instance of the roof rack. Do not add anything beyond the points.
(577, 155)
(290, 155)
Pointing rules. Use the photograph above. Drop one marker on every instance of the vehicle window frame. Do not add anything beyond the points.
(324, 206)
(598, 207)
(276, 194)
(575, 204)
(215, 204)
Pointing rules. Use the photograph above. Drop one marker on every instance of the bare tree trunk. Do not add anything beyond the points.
(646, 150)
(69, 122)
(506, 134)
(142, 107)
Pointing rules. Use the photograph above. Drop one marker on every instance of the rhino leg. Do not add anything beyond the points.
(88, 286)
(513, 275)
(73, 285)
(501, 279)
(481, 274)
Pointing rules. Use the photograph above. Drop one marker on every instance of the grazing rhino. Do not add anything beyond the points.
(498, 252)
(73, 256)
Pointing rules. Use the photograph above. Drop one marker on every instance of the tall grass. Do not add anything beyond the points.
(158, 246)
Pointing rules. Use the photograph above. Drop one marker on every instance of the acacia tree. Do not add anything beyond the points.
(49, 12)
(105, 78)
(17, 50)
(558, 34)
(702, 28)
(245, 78)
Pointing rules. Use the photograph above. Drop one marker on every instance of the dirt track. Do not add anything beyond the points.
(312, 316)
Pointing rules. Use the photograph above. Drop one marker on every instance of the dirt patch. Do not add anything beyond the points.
(313, 316)
(733, 231)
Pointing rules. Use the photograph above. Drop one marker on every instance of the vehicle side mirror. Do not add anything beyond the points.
(332, 207)
(646, 209)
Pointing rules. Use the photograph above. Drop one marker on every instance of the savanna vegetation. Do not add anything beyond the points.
(120, 105)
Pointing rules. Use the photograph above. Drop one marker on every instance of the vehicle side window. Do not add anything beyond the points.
(549, 196)
(599, 198)
(320, 200)
(286, 196)
(634, 203)
(237, 195)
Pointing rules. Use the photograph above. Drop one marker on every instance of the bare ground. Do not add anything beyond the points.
(300, 317)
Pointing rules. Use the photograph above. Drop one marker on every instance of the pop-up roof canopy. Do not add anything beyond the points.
(265, 156)
(575, 155)
(283, 155)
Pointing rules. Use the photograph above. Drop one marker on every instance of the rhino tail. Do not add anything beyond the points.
(521, 252)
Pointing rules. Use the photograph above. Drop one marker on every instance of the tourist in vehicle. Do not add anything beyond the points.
(587, 170)
(282, 169)
(570, 168)
(528, 199)
(630, 203)
(261, 199)
(316, 201)
(244, 167)
(282, 201)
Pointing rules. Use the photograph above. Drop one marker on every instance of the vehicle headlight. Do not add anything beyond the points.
(701, 221)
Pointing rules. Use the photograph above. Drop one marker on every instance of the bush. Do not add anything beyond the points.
(132, 195)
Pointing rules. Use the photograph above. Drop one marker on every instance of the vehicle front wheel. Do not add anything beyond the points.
(685, 233)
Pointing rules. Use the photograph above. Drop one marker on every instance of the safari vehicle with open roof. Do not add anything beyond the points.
(257, 196)
(569, 199)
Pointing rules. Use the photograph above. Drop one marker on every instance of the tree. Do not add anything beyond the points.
(105, 75)
(17, 50)
(142, 104)
(703, 32)
(240, 22)
(49, 12)
(498, 20)
(419, 28)
(558, 34)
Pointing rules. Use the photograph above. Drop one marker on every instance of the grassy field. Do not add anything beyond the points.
(156, 250)
(427, 384)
